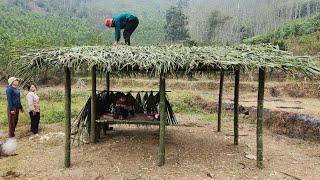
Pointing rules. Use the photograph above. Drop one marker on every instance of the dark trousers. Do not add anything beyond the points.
(12, 122)
(129, 29)
(120, 111)
(35, 119)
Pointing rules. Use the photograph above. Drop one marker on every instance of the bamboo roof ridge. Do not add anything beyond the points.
(169, 59)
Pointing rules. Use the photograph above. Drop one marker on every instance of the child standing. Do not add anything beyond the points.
(33, 107)
(14, 104)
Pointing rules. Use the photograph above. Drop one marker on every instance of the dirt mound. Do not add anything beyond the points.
(201, 103)
(294, 125)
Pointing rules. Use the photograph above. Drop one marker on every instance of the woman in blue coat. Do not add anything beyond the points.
(126, 21)
(14, 104)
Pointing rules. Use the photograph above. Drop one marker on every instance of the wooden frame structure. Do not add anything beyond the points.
(160, 61)
(94, 131)
(260, 111)
(162, 124)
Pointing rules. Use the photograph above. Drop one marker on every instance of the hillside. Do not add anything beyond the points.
(19, 24)
(21, 29)
(301, 36)
(263, 18)
(45, 23)
(150, 13)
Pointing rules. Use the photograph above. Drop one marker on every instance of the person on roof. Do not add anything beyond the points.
(126, 21)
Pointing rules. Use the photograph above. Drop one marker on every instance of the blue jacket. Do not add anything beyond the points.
(120, 22)
(13, 98)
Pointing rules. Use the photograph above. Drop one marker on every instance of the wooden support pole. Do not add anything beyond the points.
(163, 119)
(220, 100)
(260, 118)
(105, 126)
(93, 138)
(108, 82)
(67, 115)
(236, 106)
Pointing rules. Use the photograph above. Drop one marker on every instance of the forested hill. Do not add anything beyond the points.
(21, 29)
(301, 36)
(20, 25)
(243, 18)
(150, 13)
(45, 23)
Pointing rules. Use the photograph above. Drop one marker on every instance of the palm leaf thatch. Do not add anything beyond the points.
(151, 103)
(138, 105)
(145, 98)
(168, 59)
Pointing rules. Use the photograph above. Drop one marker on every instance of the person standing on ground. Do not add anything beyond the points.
(14, 104)
(126, 21)
(33, 107)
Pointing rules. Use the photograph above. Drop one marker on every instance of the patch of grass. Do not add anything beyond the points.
(52, 106)
(182, 103)
(140, 177)
(209, 117)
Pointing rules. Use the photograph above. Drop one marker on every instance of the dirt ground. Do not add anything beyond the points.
(194, 150)
(308, 106)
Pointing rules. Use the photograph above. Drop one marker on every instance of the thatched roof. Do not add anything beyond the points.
(169, 59)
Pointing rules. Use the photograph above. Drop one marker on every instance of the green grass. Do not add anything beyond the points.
(181, 103)
(52, 106)
(209, 117)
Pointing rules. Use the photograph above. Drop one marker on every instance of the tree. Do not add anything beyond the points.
(215, 20)
(176, 25)
(245, 32)
(183, 3)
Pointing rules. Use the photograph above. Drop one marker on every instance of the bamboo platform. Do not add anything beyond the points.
(140, 119)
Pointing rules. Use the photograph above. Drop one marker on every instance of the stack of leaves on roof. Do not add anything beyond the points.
(167, 59)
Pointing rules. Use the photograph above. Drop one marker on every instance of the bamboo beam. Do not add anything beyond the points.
(236, 106)
(67, 115)
(220, 99)
(131, 91)
(163, 118)
(93, 138)
(260, 118)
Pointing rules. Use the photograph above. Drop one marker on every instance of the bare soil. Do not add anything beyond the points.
(308, 106)
(194, 150)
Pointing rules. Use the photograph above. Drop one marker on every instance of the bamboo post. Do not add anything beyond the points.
(108, 82)
(67, 115)
(93, 105)
(163, 118)
(220, 100)
(105, 126)
(236, 106)
(260, 118)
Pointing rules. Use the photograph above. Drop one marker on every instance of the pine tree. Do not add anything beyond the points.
(176, 25)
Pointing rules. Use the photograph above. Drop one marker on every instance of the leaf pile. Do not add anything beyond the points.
(167, 59)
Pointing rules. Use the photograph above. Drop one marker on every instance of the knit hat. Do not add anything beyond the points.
(11, 80)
